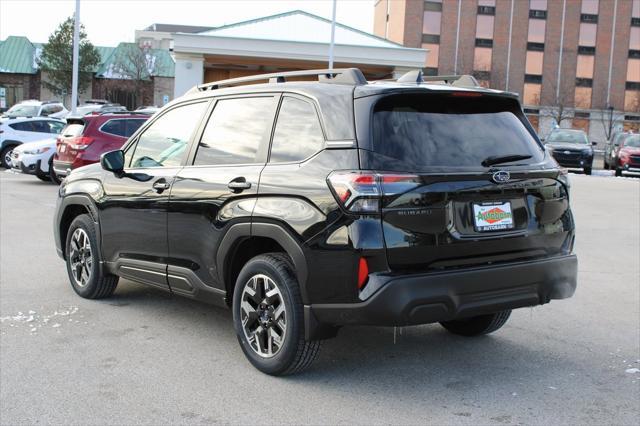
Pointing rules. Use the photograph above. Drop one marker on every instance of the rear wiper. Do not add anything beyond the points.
(499, 159)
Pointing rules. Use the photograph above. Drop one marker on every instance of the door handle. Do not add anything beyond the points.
(160, 185)
(238, 185)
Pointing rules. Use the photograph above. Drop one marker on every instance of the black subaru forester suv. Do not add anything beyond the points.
(307, 206)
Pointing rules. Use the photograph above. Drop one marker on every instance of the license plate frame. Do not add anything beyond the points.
(493, 216)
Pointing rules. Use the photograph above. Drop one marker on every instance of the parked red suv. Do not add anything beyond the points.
(85, 138)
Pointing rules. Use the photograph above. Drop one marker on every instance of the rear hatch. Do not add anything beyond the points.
(71, 140)
(463, 181)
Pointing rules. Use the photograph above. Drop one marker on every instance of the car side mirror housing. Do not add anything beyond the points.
(113, 161)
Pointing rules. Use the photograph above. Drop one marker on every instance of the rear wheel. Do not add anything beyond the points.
(268, 316)
(86, 273)
(43, 177)
(476, 326)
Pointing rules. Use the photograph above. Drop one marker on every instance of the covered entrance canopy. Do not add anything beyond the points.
(286, 42)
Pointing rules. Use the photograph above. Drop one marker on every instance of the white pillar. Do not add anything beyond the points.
(189, 73)
(75, 60)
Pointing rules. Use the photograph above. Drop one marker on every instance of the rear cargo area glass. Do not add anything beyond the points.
(420, 132)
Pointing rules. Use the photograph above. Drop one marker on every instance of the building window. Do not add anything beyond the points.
(482, 59)
(431, 22)
(586, 50)
(483, 42)
(486, 10)
(534, 63)
(432, 55)
(635, 54)
(532, 78)
(531, 94)
(587, 34)
(635, 22)
(484, 26)
(584, 67)
(536, 47)
(584, 82)
(430, 71)
(634, 38)
(585, 17)
(581, 123)
(538, 14)
(590, 7)
(430, 38)
(582, 98)
(537, 28)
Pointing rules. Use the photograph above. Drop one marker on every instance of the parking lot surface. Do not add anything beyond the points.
(146, 357)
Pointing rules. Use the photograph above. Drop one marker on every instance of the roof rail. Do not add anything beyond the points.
(350, 76)
(417, 77)
(120, 113)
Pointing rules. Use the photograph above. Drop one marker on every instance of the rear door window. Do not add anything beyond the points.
(114, 127)
(131, 126)
(298, 134)
(25, 126)
(235, 131)
(444, 131)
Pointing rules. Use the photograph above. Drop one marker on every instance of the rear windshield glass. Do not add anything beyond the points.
(72, 130)
(427, 132)
(567, 136)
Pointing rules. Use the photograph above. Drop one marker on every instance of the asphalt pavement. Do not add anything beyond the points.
(145, 357)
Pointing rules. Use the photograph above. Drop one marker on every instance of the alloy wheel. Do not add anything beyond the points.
(263, 315)
(7, 158)
(80, 257)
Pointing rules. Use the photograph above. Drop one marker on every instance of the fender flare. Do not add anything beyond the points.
(241, 231)
(77, 200)
(10, 142)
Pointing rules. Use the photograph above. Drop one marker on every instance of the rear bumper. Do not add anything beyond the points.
(435, 297)
(62, 167)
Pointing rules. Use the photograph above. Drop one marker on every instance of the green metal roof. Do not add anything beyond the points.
(17, 56)
(159, 61)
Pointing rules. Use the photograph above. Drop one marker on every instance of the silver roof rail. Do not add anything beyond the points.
(417, 77)
(350, 76)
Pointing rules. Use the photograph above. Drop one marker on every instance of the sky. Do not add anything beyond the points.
(109, 22)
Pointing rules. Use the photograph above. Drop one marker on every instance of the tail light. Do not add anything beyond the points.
(80, 142)
(361, 192)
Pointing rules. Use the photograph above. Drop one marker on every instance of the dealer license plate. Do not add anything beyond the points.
(492, 216)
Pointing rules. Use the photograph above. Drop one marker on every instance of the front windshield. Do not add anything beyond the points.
(633, 141)
(567, 137)
(23, 111)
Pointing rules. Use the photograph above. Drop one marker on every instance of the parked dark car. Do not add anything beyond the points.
(307, 206)
(627, 154)
(571, 149)
(87, 137)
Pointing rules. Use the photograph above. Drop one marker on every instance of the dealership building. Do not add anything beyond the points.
(575, 59)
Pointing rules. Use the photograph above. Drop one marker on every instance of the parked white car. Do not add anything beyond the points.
(35, 158)
(16, 131)
(33, 108)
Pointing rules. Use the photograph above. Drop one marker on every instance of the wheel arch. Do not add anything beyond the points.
(245, 241)
(72, 207)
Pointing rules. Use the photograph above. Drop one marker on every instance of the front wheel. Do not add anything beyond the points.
(268, 316)
(476, 326)
(86, 273)
(52, 174)
(5, 156)
(587, 170)
(618, 172)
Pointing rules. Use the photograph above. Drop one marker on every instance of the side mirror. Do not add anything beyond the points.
(542, 140)
(594, 143)
(113, 161)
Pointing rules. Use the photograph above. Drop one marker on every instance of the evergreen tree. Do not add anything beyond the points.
(57, 59)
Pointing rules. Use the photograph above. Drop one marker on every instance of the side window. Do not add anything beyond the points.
(26, 126)
(234, 131)
(165, 142)
(55, 126)
(131, 126)
(113, 127)
(40, 126)
(298, 134)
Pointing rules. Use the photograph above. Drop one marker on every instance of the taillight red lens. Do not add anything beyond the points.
(361, 192)
(81, 142)
(363, 273)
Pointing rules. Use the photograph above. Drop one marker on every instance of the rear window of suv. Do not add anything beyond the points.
(424, 132)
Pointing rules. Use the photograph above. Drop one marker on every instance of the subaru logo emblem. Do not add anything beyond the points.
(567, 152)
(501, 176)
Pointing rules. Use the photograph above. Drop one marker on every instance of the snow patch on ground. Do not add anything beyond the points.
(35, 321)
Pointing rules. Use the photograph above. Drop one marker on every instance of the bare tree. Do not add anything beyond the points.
(137, 64)
(559, 103)
(609, 120)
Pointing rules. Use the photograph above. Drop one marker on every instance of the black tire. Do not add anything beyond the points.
(476, 326)
(606, 165)
(52, 174)
(43, 177)
(618, 172)
(99, 284)
(587, 170)
(295, 354)
(3, 155)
